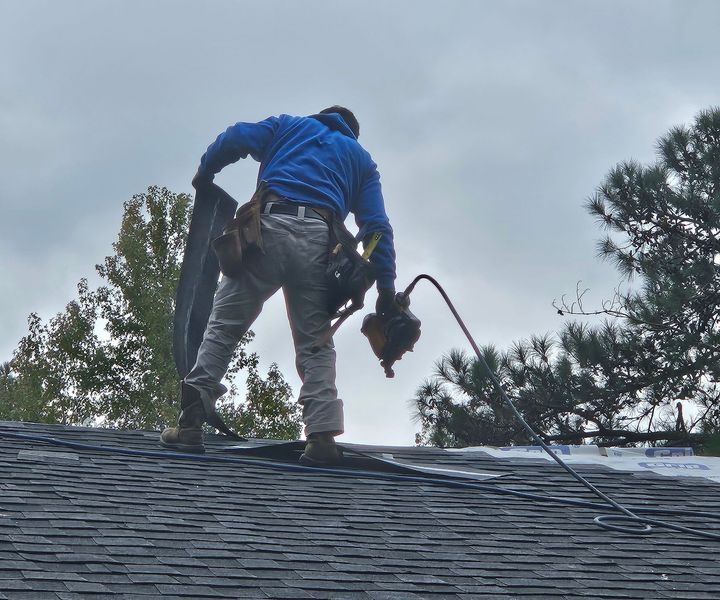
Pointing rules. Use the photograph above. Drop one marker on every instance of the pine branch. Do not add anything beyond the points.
(627, 436)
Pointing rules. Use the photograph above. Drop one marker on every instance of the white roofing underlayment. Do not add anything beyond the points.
(673, 462)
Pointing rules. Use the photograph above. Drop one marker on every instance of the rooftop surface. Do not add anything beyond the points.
(97, 522)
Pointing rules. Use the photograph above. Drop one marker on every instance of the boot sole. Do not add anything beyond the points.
(306, 461)
(183, 447)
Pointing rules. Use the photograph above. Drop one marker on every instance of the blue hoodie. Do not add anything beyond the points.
(316, 161)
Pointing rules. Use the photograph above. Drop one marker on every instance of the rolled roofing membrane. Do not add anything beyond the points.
(356, 460)
(672, 462)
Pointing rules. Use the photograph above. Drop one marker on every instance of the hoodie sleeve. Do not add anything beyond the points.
(237, 142)
(370, 217)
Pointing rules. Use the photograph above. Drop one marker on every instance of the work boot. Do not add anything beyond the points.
(321, 451)
(188, 435)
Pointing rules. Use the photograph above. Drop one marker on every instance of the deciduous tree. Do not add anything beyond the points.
(107, 358)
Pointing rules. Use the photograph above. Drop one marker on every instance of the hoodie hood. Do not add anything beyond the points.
(335, 122)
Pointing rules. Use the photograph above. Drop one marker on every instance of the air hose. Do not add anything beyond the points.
(641, 525)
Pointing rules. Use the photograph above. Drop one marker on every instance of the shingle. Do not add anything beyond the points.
(135, 589)
(56, 575)
(251, 563)
(151, 578)
(40, 548)
(393, 595)
(232, 572)
(696, 594)
(108, 578)
(47, 586)
(86, 586)
(193, 591)
(84, 596)
(48, 456)
(335, 595)
(325, 576)
(284, 593)
(419, 578)
(16, 565)
(10, 585)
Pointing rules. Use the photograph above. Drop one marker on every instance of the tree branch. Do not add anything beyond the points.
(630, 436)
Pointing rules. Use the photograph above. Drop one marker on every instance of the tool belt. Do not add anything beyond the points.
(349, 276)
(242, 237)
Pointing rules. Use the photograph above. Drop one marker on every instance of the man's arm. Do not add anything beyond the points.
(235, 143)
(370, 217)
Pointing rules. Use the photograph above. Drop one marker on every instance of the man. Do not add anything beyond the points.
(313, 167)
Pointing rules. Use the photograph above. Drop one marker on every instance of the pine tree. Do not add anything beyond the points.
(627, 380)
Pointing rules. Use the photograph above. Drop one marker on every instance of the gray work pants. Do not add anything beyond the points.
(295, 258)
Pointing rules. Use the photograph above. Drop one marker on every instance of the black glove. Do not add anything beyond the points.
(386, 307)
(202, 179)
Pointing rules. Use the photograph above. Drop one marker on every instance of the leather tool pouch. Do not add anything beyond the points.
(348, 275)
(241, 240)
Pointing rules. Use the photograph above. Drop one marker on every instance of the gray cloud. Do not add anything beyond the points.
(491, 123)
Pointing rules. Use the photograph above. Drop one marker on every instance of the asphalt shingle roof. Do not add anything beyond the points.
(83, 524)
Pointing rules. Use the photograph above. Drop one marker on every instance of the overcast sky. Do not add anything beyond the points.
(491, 123)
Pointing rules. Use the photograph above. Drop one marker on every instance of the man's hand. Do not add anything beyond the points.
(386, 307)
(202, 180)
